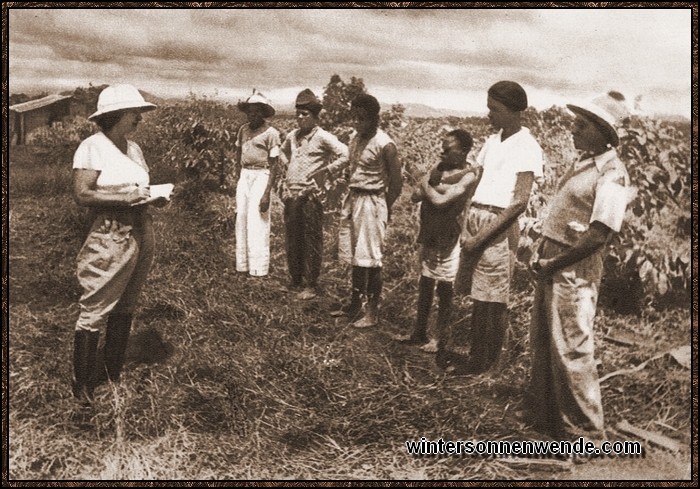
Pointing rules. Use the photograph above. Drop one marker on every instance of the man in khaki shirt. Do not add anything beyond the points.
(589, 206)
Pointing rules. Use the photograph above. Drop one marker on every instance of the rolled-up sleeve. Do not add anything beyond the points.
(611, 200)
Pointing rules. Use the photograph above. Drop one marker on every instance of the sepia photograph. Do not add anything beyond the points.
(384, 242)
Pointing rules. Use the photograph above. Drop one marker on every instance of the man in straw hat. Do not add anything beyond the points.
(511, 160)
(589, 206)
(309, 150)
(257, 150)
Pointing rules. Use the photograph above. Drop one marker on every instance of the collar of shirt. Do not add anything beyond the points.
(600, 160)
(307, 137)
(521, 132)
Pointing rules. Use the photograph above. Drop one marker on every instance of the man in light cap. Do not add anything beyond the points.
(589, 206)
(257, 153)
(511, 160)
(308, 150)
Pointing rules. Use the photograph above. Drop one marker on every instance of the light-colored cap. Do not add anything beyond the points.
(258, 98)
(120, 97)
(609, 110)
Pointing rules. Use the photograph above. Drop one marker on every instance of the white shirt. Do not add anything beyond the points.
(118, 171)
(502, 161)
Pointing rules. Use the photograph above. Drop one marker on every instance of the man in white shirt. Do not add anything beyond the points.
(511, 160)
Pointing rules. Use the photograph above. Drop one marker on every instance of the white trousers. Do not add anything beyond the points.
(252, 226)
(363, 222)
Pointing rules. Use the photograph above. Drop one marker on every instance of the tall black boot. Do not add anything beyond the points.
(84, 363)
(116, 339)
(359, 289)
(498, 319)
(374, 292)
(426, 288)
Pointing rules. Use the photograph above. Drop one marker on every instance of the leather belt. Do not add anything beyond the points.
(490, 208)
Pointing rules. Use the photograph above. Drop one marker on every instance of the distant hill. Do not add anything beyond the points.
(154, 99)
(674, 118)
(421, 110)
(412, 110)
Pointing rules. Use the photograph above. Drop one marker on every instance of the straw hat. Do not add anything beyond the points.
(608, 110)
(257, 98)
(120, 97)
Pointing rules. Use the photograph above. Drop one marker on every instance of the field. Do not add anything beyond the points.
(229, 377)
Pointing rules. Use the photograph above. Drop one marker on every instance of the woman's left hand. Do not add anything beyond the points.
(265, 203)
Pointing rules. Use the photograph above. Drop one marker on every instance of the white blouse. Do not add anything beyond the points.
(118, 171)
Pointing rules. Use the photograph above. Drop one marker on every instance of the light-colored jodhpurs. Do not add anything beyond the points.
(112, 266)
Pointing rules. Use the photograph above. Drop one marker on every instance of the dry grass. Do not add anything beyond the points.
(260, 386)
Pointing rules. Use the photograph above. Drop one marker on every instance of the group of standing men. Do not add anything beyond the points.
(314, 155)
(468, 233)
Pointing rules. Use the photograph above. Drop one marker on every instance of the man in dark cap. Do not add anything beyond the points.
(511, 160)
(308, 149)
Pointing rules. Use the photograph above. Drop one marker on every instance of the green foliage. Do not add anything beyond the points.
(87, 96)
(337, 97)
(195, 141)
(656, 241)
(57, 143)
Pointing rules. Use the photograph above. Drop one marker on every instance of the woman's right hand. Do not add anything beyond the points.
(138, 195)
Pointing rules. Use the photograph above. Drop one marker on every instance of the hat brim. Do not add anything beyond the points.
(312, 106)
(144, 106)
(268, 110)
(599, 121)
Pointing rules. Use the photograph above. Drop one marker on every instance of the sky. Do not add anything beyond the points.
(444, 58)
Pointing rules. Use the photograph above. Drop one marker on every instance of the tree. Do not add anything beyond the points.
(87, 96)
(337, 97)
(392, 119)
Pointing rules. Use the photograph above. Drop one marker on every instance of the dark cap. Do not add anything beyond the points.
(510, 94)
(309, 101)
(367, 102)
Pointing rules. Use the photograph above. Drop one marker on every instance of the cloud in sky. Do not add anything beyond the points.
(441, 57)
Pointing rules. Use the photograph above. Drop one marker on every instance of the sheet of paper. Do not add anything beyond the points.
(163, 190)
(158, 191)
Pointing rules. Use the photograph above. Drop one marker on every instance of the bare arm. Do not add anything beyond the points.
(393, 167)
(265, 200)
(590, 241)
(85, 192)
(440, 198)
(286, 148)
(521, 196)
